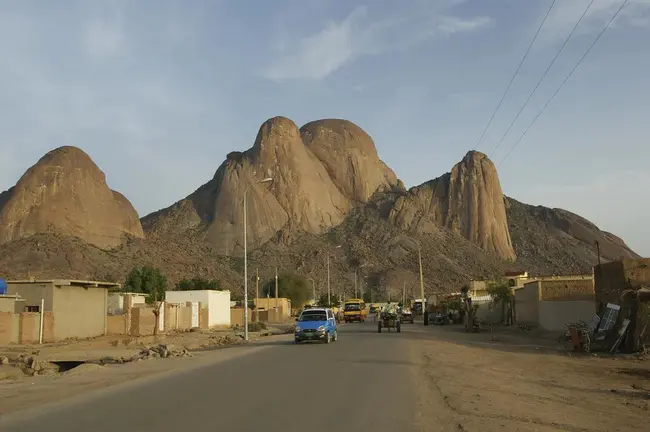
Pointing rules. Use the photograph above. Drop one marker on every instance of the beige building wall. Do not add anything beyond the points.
(33, 293)
(80, 312)
(527, 303)
(11, 304)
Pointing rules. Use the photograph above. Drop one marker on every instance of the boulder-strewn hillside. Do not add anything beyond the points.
(66, 193)
(330, 195)
(555, 241)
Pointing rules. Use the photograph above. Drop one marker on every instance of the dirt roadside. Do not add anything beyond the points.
(81, 366)
(27, 392)
(476, 382)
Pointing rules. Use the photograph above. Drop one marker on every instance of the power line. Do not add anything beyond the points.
(543, 76)
(515, 74)
(565, 80)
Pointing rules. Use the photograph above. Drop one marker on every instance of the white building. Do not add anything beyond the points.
(217, 303)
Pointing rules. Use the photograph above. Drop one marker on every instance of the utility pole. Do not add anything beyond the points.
(276, 288)
(257, 294)
(404, 293)
(355, 284)
(424, 310)
(329, 300)
(266, 180)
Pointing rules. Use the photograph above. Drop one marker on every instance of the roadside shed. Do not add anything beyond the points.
(78, 307)
(217, 304)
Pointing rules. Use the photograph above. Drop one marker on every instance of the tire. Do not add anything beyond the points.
(328, 338)
(297, 341)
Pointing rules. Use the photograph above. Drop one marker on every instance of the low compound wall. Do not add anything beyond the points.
(23, 328)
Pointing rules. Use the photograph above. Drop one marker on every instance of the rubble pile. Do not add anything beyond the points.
(160, 351)
(31, 366)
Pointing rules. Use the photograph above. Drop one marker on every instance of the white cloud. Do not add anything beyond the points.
(318, 55)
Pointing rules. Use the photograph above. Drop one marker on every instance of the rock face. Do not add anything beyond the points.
(552, 239)
(66, 193)
(350, 158)
(302, 196)
(468, 201)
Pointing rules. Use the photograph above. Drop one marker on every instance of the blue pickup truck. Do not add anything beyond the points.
(317, 324)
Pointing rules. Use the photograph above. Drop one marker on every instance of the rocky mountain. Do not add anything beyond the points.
(66, 193)
(330, 195)
(468, 201)
(318, 173)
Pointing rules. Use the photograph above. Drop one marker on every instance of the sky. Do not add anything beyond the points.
(157, 93)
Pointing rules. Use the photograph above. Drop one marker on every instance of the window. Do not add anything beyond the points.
(32, 308)
(329, 314)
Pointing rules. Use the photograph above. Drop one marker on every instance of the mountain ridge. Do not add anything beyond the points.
(330, 188)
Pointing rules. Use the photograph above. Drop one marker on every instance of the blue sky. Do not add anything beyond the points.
(159, 92)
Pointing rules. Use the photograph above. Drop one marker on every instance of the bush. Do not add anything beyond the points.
(256, 326)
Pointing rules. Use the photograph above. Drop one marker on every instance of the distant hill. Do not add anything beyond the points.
(329, 189)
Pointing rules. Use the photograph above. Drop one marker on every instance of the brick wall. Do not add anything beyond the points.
(613, 280)
(117, 324)
(178, 317)
(142, 321)
(6, 328)
(568, 290)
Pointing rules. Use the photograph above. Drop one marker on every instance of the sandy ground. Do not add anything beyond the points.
(506, 381)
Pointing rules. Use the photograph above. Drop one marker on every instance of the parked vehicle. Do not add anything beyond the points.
(316, 324)
(407, 316)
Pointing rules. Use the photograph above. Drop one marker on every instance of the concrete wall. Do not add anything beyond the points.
(80, 312)
(115, 302)
(527, 303)
(555, 315)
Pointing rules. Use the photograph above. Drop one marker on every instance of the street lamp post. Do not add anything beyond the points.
(424, 311)
(266, 180)
(329, 290)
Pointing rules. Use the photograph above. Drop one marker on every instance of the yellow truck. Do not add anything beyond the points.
(354, 310)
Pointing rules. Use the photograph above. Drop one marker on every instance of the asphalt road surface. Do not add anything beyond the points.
(364, 381)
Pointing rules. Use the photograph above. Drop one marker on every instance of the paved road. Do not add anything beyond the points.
(364, 381)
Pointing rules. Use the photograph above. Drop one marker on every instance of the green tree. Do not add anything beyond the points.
(292, 286)
(322, 300)
(148, 280)
(367, 296)
(501, 292)
(198, 284)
